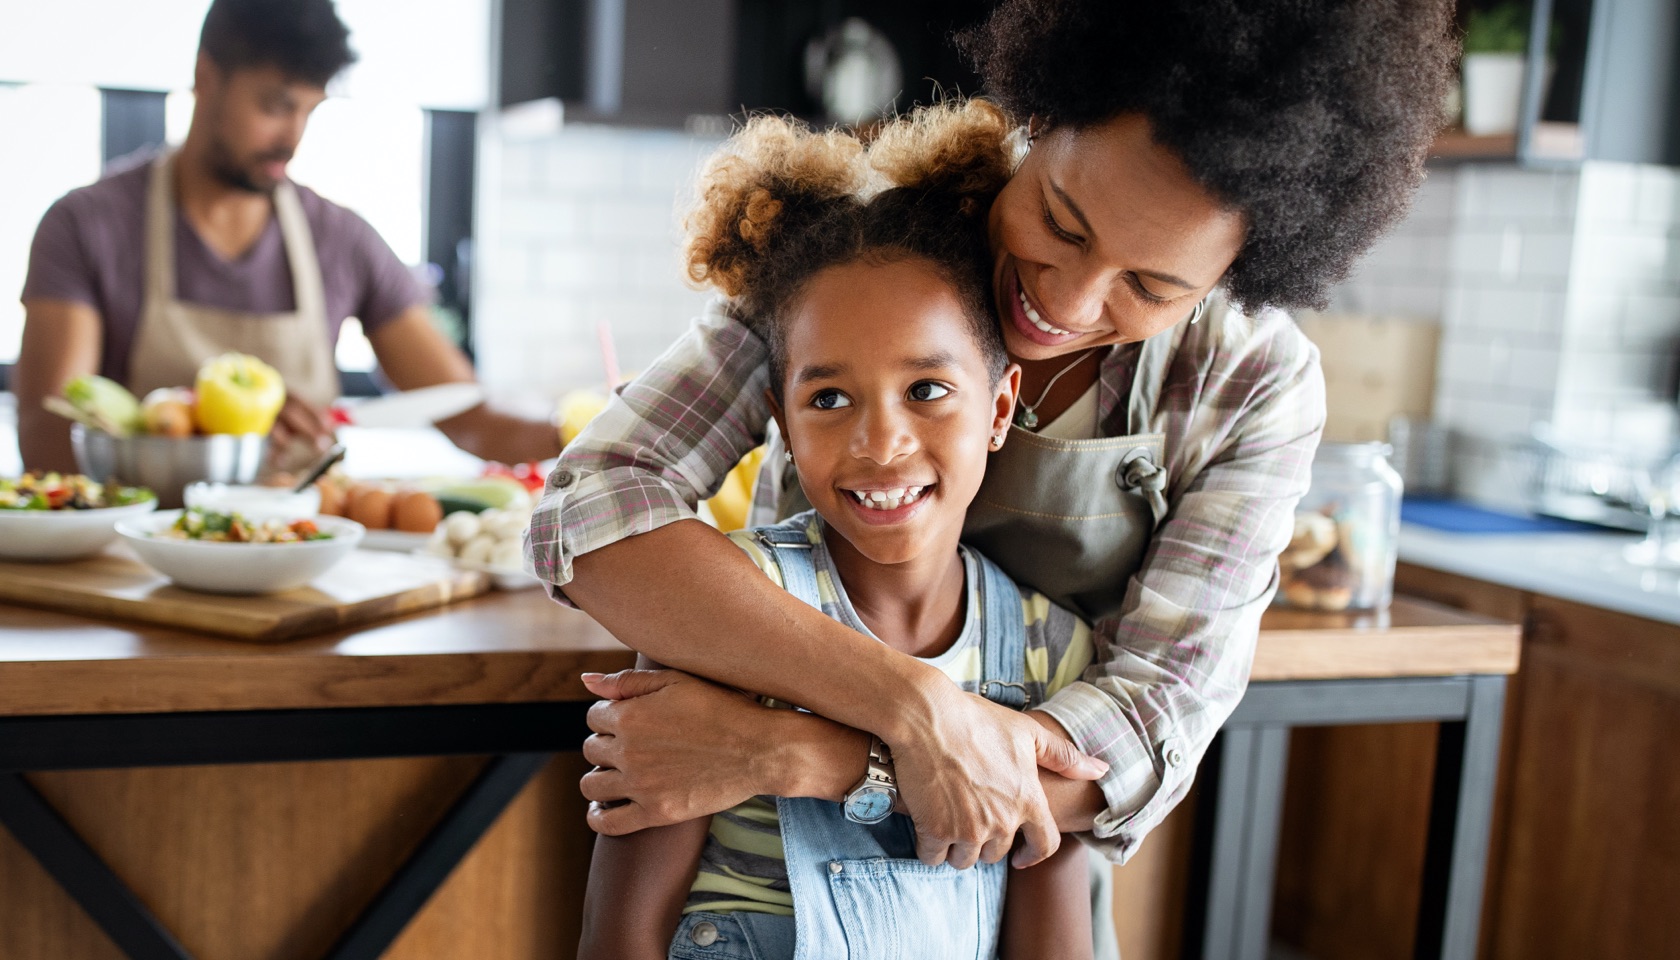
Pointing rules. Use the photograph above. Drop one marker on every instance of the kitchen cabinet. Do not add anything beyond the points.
(691, 62)
(1608, 88)
(1585, 852)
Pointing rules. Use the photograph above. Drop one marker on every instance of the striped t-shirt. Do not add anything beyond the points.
(742, 867)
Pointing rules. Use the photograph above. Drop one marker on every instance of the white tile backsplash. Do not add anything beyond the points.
(581, 230)
(1559, 299)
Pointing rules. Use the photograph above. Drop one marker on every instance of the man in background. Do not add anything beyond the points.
(209, 248)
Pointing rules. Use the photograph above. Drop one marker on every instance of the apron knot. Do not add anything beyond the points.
(1138, 472)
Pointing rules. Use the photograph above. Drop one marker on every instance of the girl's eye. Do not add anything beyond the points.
(928, 390)
(830, 400)
(1056, 228)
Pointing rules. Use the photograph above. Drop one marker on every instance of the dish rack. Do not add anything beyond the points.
(1593, 486)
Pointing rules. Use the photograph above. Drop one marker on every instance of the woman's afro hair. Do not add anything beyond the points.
(1311, 117)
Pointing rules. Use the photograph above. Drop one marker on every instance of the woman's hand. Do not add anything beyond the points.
(671, 747)
(969, 777)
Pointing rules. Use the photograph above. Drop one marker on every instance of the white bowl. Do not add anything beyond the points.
(54, 535)
(254, 502)
(238, 568)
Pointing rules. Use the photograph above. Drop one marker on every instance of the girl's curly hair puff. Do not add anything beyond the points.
(781, 202)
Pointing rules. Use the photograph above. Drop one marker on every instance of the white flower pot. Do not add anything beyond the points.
(1492, 92)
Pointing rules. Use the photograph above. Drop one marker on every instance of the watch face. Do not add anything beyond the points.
(869, 805)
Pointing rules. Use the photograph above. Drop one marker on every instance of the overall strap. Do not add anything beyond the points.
(790, 547)
(1003, 638)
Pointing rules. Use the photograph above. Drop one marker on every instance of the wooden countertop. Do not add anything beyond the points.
(520, 647)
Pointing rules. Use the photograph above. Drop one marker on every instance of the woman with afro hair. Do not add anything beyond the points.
(1187, 171)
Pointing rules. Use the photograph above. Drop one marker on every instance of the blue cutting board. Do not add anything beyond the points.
(1453, 516)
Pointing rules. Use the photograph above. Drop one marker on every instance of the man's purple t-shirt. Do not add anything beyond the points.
(91, 248)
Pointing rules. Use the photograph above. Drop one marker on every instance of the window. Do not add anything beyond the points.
(60, 123)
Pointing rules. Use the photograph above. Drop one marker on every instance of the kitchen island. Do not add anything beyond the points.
(276, 856)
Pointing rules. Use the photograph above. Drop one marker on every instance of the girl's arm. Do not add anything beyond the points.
(638, 884)
(1047, 910)
(614, 530)
(637, 887)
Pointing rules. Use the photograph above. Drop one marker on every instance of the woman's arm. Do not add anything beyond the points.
(1174, 662)
(657, 727)
(610, 532)
(637, 887)
(1047, 908)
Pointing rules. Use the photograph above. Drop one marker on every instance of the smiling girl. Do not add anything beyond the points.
(890, 385)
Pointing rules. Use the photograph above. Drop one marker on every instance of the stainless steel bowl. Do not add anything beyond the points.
(168, 464)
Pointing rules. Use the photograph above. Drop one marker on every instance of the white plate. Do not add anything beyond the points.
(416, 408)
(56, 535)
(503, 578)
(238, 568)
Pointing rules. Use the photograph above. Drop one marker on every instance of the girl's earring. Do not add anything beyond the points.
(1201, 308)
(997, 441)
(787, 455)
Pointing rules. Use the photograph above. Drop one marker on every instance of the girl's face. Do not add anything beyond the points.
(887, 406)
(1102, 237)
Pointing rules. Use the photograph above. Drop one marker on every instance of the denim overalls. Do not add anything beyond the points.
(859, 893)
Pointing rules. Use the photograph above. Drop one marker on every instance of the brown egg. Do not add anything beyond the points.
(370, 506)
(332, 498)
(415, 511)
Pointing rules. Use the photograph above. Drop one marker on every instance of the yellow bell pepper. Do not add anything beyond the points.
(729, 507)
(238, 393)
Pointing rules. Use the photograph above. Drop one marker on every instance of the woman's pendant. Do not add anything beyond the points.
(1025, 417)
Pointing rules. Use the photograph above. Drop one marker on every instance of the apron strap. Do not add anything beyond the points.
(160, 232)
(1003, 638)
(308, 291)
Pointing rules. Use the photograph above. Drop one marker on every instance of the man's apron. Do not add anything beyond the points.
(174, 338)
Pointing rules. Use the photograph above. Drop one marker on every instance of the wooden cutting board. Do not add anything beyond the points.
(366, 585)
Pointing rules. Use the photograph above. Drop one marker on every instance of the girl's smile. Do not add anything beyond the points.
(888, 406)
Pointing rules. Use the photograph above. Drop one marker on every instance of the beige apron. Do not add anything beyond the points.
(1073, 519)
(174, 338)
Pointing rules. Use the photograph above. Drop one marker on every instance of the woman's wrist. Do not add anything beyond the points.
(911, 700)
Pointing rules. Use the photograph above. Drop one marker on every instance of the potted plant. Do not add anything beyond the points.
(1495, 57)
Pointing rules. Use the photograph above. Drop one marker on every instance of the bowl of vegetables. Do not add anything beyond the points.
(217, 431)
(216, 552)
(53, 516)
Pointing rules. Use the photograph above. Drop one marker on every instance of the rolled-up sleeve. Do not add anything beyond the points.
(663, 444)
(1173, 663)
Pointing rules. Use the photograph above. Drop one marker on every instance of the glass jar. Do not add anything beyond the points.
(1347, 532)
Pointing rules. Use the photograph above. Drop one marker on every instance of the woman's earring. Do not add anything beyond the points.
(787, 455)
(1201, 308)
(997, 441)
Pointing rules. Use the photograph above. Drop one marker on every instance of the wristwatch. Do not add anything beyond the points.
(874, 797)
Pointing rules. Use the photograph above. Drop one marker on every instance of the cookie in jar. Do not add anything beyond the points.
(1347, 532)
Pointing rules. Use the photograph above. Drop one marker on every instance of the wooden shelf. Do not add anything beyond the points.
(1455, 144)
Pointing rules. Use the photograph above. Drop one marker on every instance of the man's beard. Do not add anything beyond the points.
(223, 167)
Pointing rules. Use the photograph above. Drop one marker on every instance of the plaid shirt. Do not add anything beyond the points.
(1241, 403)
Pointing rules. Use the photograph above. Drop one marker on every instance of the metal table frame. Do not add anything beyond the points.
(1234, 865)
(520, 737)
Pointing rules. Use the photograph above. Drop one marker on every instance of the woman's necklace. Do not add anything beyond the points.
(1026, 414)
